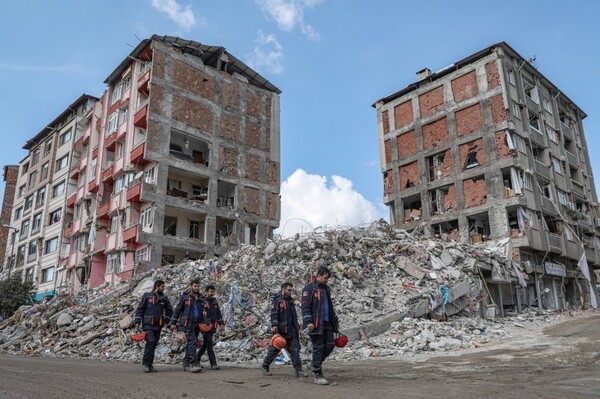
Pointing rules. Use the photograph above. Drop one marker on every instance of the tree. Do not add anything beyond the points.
(13, 293)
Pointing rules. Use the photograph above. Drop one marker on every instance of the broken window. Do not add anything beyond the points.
(534, 121)
(195, 229)
(531, 89)
(471, 161)
(189, 148)
(450, 227)
(557, 165)
(441, 200)
(479, 227)
(412, 208)
(552, 134)
(250, 234)
(170, 226)
(225, 232)
(519, 221)
(435, 166)
(225, 194)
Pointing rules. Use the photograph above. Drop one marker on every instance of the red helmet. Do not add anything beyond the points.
(341, 341)
(139, 336)
(204, 327)
(278, 341)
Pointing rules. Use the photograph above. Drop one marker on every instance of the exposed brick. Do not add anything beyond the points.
(475, 192)
(228, 158)
(230, 127)
(386, 122)
(499, 113)
(253, 104)
(193, 114)
(388, 151)
(268, 138)
(468, 120)
(407, 144)
(194, 80)
(153, 143)
(465, 87)
(473, 147)
(503, 150)
(409, 175)
(435, 133)
(156, 100)
(493, 74)
(252, 167)
(10, 177)
(268, 102)
(272, 205)
(403, 114)
(450, 199)
(230, 96)
(272, 173)
(445, 169)
(253, 134)
(431, 102)
(158, 64)
(252, 200)
(388, 182)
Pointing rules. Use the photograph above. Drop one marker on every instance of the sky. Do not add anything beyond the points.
(332, 59)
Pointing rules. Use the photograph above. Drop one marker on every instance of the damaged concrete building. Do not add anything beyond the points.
(178, 159)
(489, 149)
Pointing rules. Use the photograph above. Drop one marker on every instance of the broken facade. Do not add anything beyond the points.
(486, 149)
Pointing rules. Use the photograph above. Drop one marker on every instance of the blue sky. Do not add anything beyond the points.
(332, 59)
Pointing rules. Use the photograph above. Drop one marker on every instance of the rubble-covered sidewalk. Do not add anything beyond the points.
(390, 288)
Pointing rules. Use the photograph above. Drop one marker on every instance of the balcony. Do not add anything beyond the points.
(137, 155)
(548, 206)
(566, 131)
(93, 186)
(130, 234)
(591, 255)
(68, 230)
(71, 200)
(107, 174)
(78, 142)
(103, 208)
(537, 136)
(140, 118)
(74, 172)
(134, 192)
(143, 81)
(571, 158)
(110, 141)
(542, 169)
(577, 189)
(555, 242)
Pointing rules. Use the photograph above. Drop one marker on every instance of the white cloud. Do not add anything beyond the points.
(267, 55)
(309, 201)
(290, 13)
(184, 17)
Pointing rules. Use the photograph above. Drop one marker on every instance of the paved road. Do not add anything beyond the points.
(563, 362)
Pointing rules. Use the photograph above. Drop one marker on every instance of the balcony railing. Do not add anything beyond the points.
(571, 158)
(555, 242)
(537, 136)
(547, 205)
(542, 169)
(577, 188)
(566, 131)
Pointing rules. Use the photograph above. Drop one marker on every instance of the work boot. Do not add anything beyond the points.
(215, 367)
(301, 374)
(153, 370)
(266, 371)
(146, 369)
(192, 369)
(319, 380)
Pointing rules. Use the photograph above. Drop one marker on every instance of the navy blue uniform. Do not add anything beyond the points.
(283, 316)
(187, 315)
(153, 312)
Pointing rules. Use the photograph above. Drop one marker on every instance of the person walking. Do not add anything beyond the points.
(153, 312)
(284, 321)
(186, 316)
(320, 320)
(212, 319)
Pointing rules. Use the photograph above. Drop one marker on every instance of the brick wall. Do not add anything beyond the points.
(493, 74)
(388, 151)
(435, 133)
(253, 105)
(407, 144)
(156, 99)
(158, 64)
(498, 110)
(230, 96)
(252, 167)
(432, 101)
(272, 201)
(403, 114)
(253, 134)
(252, 200)
(475, 147)
(445, 169)
(409, 175)
(272, 173)
(230, 127)
(228, 160)
(475, 192)
(450, 199)
(503, 150)
(10, 177)
(464, 87)
(194, 80)
(386, 122)
(193, 114)
(468, 120)
(388, 182)
(268, 138)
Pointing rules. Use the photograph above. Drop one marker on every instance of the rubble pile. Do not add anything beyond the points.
(383, 279)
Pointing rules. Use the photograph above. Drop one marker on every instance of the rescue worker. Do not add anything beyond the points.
(153, 312)
(214, 319)
(187, 315)
(284, 321)
(319, 320)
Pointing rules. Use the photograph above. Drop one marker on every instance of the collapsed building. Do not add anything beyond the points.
(390, 287)
(488, 149)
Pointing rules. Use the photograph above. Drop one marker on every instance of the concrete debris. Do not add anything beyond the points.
(387, 286)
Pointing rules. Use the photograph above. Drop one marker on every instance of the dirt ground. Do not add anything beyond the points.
(562, 361)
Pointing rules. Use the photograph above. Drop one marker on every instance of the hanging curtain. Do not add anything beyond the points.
(516, 181)
(522, 215)
(509, 141)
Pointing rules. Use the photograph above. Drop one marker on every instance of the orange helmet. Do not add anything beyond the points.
(204, 327)
(341, 341)
(139, 336)
(278, 341)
